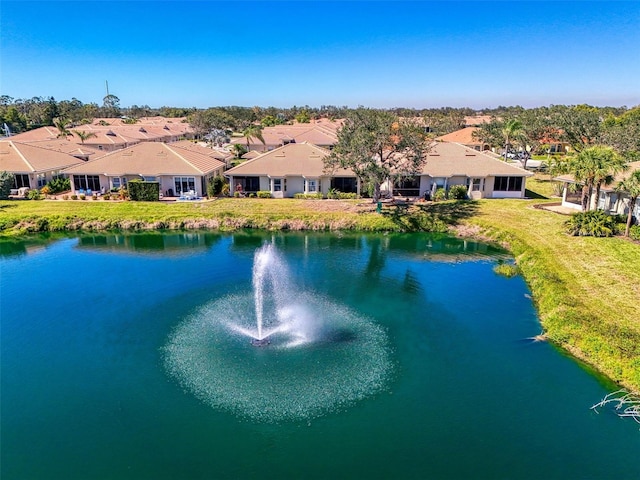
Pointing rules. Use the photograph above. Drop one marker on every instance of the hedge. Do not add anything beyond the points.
(140, 191)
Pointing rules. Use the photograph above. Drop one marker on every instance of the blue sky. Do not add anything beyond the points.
(378, 54)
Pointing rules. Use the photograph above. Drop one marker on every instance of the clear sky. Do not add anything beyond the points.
(378, 54)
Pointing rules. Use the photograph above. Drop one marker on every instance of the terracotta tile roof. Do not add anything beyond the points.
(64, 146)
(463, 136)
(19, 157)
(37, 134)
(452, 159)
(294, 159)
(221, 155)
(150, 159)
(316, 133)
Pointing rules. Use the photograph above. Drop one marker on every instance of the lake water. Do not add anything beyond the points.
(117, 363)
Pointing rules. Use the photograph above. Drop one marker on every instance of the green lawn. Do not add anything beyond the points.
(587, 290)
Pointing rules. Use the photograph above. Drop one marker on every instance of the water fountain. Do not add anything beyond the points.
(321, 354)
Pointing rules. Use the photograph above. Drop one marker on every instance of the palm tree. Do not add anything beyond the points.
(592, 167)
(61, 124)
(510, 130)
(631, 186)
(253, 131)
(84, 135)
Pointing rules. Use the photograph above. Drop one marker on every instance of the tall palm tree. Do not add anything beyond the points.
(253, 131)
(61, 124)
(631, 186)
(510, 130)
(84, 135)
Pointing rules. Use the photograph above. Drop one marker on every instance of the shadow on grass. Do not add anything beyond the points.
(533, 195)
(7, 205)
(433, 216)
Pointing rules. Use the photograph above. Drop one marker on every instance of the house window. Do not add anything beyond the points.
(312, 186)
(277, 184)
(42, 179)
(507, 184)
(407, 187)
(345, 184)
(476, 184)
(115, 183)
(184, 184)
(149, 179)
(21, 180)
(86, 182)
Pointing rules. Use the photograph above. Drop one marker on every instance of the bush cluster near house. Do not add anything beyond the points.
(594, 223)
(458, 192)
(144, 191)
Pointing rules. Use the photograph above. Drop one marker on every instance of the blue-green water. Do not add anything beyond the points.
(89, 386)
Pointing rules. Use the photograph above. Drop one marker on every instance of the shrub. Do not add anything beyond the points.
(634, 232)
(74, 197)
(6, 182)
(65, 197)
(59, 184)
(83, 197)
(34, 195)
(95, 197)
(45, 190)
(595, 223)
(458, 192)
(123, 193)
(264, 194)
(140, 191)
(236, 194)
(215, 186)
(506, 269)
(441, 194)
(225, 189)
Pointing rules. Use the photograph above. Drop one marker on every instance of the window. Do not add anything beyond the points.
(476, 184)
(21, 180)
(42, 179)
(184, 184)
(277, 184)
(115, 183)
(249, 184)
(507, 184)
(149, 179)
(407, 187)
(312, 185)
(86, 182)
(345, 184)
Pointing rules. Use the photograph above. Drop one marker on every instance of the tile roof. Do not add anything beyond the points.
(20, 157)
(447, 159)
(464, 136)
(221, 155)
(293, 159)
(150, 159)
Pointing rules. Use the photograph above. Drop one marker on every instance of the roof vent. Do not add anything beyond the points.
(110, 133)
(141, 129)
(165, 127)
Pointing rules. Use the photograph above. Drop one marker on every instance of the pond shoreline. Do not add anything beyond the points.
(570, 322)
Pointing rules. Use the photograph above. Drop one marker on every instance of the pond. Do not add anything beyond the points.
(384, 356)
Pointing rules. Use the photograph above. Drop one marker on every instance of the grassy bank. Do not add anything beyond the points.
(587, 290)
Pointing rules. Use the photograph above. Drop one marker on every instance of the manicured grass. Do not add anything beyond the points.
(587, 290)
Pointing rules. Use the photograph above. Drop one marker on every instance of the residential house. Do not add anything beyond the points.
(609, 200)
(450, 164)
(176, 168)
(465, 137)
(323, 134)
(32, 165)
(290, 169)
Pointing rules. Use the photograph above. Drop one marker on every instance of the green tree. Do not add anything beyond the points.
(270, 121)
(111, 106)
(511, 131)
(581, 125)
(378, 146)
(6, 184)
(630, 185)
(303, 117)
(623, 133)
(82, 135)
(62, 125)
(238, 149)
(591, 168)
(253, 131)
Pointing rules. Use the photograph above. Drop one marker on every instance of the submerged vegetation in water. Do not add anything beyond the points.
(506, 269)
